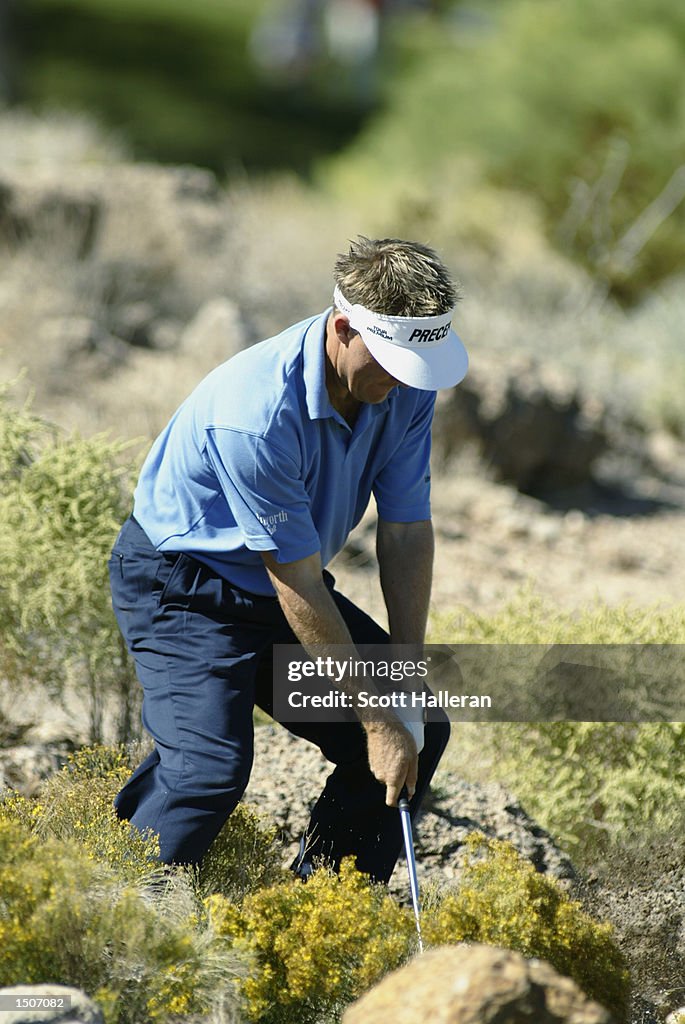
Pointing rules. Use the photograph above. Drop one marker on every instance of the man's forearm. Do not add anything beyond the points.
(313, 615)
(405, 557)
(314, 618)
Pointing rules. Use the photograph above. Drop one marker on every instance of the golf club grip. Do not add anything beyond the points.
(403, 803)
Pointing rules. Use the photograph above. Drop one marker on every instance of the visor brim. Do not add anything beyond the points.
(435, 368)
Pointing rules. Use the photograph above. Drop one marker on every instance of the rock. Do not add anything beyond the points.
(533, 428)
(217, 327)
(475, 984)
(75, 1006)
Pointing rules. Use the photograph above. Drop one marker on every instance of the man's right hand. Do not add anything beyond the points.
(392, 758)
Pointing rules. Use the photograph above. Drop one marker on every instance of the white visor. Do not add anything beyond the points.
(423, 352)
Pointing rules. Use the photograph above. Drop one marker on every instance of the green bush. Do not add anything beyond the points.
(528, 619)
(593, 783)
(588, 783)
(62, 501)
(502, 900)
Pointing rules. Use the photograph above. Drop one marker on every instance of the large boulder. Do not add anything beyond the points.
(475, 984)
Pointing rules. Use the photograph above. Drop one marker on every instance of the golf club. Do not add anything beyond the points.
(411, 860)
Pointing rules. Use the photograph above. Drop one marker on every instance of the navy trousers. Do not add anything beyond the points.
(202, 649)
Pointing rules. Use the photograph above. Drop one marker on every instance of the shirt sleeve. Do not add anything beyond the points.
(402, 488)
(264, 492)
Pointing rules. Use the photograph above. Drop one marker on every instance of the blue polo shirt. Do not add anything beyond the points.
(257, 459)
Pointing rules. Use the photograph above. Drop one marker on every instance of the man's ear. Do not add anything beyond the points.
(341, 326)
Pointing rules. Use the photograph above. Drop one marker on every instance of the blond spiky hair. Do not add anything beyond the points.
(388, 275)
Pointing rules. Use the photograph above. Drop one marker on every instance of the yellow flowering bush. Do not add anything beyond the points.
(316, 946)
(84, 901)
(502, 900)
(65, 918)
(76, 803)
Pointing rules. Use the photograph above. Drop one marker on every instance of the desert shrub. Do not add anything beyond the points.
(589, 783)
(244, 857)
(502, 900)
(62, 500)
(76, 804)
(593, 783)
(528, 619)
(317, 946)
(66, 918)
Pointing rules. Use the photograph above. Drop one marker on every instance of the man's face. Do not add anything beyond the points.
(366, 380)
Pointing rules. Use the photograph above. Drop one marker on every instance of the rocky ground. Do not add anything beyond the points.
(289, 774)
(491, 541)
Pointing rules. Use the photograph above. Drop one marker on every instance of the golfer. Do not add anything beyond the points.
(245, 497)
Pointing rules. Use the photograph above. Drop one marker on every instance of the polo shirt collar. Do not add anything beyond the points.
(314, 374)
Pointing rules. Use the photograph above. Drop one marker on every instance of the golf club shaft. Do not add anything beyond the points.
(411, 861)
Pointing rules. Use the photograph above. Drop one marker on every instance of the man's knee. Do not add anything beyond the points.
(217, 777)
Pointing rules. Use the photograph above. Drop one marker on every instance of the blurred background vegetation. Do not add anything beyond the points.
(579, 107)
